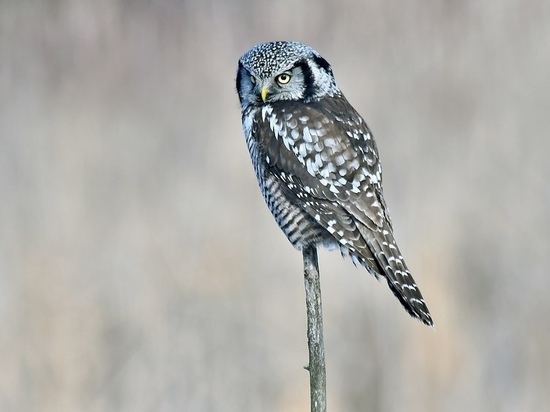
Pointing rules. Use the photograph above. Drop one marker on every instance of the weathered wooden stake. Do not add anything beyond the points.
(316, 367)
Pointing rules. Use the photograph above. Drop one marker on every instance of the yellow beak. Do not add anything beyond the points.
(263, 93)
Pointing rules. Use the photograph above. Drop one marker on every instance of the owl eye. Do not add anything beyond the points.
(283, 78)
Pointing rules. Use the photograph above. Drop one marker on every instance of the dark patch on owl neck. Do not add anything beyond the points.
(240, 72)
(323, 64)
(309, 80)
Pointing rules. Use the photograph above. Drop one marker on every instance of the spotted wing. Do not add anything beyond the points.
(328, 160)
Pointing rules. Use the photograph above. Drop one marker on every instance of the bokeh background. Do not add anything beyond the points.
(141, 271)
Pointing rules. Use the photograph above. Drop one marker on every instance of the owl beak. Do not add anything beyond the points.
(263, 93)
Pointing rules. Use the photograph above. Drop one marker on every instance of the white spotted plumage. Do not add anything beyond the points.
(317, 163)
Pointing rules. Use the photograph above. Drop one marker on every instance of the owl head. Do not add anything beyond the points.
(283, 70)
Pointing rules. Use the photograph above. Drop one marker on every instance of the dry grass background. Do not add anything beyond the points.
(141, 271)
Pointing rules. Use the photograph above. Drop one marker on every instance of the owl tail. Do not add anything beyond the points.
(392, 265)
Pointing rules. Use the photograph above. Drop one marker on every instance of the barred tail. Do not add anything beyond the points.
(389, 259)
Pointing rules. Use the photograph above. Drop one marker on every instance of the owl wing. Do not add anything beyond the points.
(326, 156)
(325, 151)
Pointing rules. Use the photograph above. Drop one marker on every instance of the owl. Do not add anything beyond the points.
(317, 163)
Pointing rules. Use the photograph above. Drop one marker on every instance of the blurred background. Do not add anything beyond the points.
(140, 269)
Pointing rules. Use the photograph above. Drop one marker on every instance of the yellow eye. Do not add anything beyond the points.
(283, 78)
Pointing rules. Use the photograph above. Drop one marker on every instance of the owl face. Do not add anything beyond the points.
(279, 71)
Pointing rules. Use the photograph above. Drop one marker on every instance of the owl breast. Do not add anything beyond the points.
(298, 226)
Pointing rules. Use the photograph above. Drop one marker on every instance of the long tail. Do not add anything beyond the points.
(392, 266)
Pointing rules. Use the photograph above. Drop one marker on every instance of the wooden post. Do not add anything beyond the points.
(316, 367)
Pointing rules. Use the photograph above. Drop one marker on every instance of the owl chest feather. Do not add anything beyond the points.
(298, 226)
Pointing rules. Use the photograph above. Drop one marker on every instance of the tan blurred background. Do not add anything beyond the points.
(141, 271)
